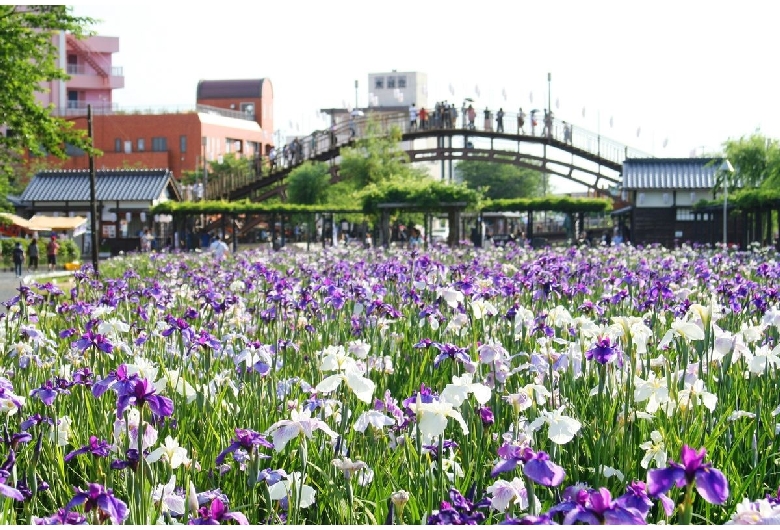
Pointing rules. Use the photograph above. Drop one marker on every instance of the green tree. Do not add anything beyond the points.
(230, 165)
(756, 162)
(309, 183)
(500, 181)
(377, 158)
(29, 58)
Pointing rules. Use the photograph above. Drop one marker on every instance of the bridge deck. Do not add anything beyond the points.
(584, 147)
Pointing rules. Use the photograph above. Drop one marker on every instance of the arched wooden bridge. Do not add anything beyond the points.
(567, 151)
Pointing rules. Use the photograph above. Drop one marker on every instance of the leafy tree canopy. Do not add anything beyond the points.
(500, 181)
(377, 158)
(756, 162)
(29, 58)
(230, 165)
(309, 183)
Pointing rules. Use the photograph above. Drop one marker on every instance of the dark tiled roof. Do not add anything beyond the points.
(669, 173)
(236, 88)
(111, 185)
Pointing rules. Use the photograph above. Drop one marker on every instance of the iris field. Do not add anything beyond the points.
(349, 386)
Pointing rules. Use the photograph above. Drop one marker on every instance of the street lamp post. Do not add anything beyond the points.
(727, 169)
(92, 191)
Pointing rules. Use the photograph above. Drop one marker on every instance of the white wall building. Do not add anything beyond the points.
(397, 89)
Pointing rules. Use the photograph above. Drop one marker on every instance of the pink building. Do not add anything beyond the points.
(93, 75)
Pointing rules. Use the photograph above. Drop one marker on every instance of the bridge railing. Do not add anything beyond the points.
(356, 127)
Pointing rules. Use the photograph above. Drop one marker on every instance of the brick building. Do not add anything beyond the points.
(231, 116)
(179, 141)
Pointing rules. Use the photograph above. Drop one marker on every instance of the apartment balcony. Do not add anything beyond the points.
(82, 77)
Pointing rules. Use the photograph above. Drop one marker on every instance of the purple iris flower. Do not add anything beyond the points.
(35, 419)
(604, 351)
(65, 333)
(530, 519)
(460, 510)
(97, 340)
(98, 498)
(450, 351)
(61, 517)
(131, 461)
(244, 439)
(710, 483)
(636, 498)
(47, 392)
(16, 438)
(486, 415)
(434, 449)
(270, 476)
(5, 477)
(83, 376)
(142, 391)
(217, 513)
(95, 446)
(536, 466)
(117, 380)
(601, 509)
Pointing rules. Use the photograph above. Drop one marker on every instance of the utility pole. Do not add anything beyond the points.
(92, 191)
(356, 94)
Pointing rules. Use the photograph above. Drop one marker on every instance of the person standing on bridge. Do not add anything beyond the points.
(412, 118)
(521, 121)
(488, 123)
(423, 118)
(548, 120)
(533, 122)
(566, 133)
(472, 114)
(500, 120)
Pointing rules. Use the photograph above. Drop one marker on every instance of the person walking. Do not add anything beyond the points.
(488, 123)
(500, 120)
(219, 248)
(521, 121)
(32, 253)
(51, 252)
(566, 133)
(412, 118)
(18, 258)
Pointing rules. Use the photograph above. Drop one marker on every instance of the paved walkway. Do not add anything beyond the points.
(9, 283)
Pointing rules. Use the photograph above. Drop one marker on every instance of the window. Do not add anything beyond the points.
(379, 82)
(159, 143)
(128, 146)
(183, 143)
(118, 145)
(391, 82)
(141, 145)
(686, 214)
(401, 81)
(248, 109)
(73, 99)
(72, 150)
(73, 64)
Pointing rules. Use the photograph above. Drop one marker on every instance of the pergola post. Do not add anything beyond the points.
(453, 220)
(385, 228)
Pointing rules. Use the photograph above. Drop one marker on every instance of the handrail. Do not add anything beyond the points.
(318, 143)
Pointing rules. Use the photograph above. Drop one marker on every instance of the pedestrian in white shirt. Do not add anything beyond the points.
(219, 248)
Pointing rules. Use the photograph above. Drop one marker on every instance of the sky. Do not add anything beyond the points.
(672, 77)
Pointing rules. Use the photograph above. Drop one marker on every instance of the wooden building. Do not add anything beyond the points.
(662, 193)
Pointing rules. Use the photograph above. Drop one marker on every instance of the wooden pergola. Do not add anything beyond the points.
(452, 209)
